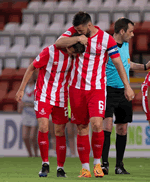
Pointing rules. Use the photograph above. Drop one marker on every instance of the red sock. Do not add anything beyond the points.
(97, 144)
(83, 146)
(61, 150)
(43, 145)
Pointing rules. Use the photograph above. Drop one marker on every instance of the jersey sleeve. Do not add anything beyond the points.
(69, 32)
(42, 59)
(112, 48)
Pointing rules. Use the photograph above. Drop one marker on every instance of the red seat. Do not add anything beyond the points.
(19, 74)
(15, 85)
(142, 41)
(14, 18)
(4, 85)
(18, 6)
(7, 74)
(8, 107)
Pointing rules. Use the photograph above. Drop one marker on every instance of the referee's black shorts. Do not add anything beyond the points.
(117, 104)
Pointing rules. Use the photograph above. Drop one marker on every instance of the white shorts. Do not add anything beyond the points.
(29, 117)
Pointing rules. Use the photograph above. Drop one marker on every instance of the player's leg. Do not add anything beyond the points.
(33, 139)
(26, 139)
(96, 106)
(43, 110)
(71, 137)
(83, 147)
(107, 127)
(80, 117)
(60, 118)
(53, 138)
(123, 116)
(97, 144)
(43, 143)
(121, 139)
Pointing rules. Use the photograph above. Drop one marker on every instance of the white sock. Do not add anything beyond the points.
(60, 167)
(97, 161)
(45, 162)
(86, 166)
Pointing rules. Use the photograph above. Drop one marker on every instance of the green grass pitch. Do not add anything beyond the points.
(22, 169)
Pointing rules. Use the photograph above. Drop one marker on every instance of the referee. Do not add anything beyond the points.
(116, 102)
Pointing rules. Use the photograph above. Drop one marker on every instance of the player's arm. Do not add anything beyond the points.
(121, 71)
(136, 66)
(24, 82)
(66, 39)
(40, 61)
(116, 59)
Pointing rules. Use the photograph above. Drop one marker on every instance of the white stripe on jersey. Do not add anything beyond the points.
(72, 72)
(143, 103)
(57, 76)
(104, 44)
(61, 104)
(80, 65)
(47, 75)
(91, 63)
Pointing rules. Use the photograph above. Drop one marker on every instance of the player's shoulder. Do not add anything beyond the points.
(70, 31)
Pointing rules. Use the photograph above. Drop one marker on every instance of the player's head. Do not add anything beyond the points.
(124, 27)
(82, 23)
(77, 48)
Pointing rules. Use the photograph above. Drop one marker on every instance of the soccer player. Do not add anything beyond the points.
(51, 97)
(87, 86)
(116, 102)
(146, 96)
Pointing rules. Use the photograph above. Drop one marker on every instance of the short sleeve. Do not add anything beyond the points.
(112, 48)
(42, 59)
(69, 32)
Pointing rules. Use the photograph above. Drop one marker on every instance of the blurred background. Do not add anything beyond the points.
(27, 26)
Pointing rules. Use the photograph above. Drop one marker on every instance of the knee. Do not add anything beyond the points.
(25, 137)
(83, 130)
(43, 128)
(97, 127)
(108, 127)
(60, 131)
(121, 131)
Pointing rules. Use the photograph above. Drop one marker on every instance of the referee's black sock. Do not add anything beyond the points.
(120, 147)
(106, 146)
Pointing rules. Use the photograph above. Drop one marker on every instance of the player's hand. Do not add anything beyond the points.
(19, 96)
(83, 39)
(148, 65)
(129, 94)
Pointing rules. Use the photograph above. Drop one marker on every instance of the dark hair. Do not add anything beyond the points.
(78, 47)
(81, 18)
(122, 23)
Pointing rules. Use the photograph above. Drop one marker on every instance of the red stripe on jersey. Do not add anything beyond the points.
(85, 64)
(145, 84)
(62, 76)
(40, 83)
(53, 72)
(74, 79)
(97, 60)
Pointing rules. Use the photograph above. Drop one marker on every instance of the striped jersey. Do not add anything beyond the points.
(54, 72)
(88, 70)
(145, 84)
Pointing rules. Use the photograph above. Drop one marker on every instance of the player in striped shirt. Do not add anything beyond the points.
(87, 86)
(51, 97)
(146, 96)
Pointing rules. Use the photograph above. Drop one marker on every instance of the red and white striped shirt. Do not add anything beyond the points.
(52, 82)
(89, 68)
(145, 84)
